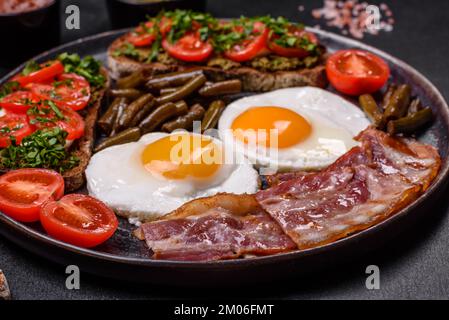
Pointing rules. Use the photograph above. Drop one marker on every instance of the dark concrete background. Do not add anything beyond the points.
(414, 266)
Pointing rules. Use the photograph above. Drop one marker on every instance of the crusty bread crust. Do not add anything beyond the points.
(252, 80)
(75, 178)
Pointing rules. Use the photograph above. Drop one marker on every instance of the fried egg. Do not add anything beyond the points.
(292, 129)
(161, 172)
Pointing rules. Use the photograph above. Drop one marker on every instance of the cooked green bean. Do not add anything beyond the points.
(187, 89)
(106, 122)
(147, 108)
(131, 93)
(399, 103)
(132, 81)
(195, 113)
(129, 135)
(174, 79)
(221, 88)
(415, 106)
(387, 96)
(181, 105)
(120, 110)
(371, 108)
(212, 115)
(411, 123)
(166, 91)
(132, 110)
(160, 115)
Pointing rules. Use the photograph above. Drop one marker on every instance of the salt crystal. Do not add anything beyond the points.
(350, 16)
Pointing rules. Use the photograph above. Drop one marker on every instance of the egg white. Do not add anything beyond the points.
(335, 121)
(117, 177)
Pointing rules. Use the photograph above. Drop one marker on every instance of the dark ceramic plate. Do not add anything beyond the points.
(123, 257)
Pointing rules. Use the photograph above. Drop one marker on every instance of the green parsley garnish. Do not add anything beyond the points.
(88, 67)
(127, 50)
(45, 111)
(31, 67)
(42, 149)
(9, 88)
(184, 20)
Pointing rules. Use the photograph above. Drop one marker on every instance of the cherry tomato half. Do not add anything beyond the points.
(141, 37)
(79, 219)
(251, 47)
(19, 101)
(48, 70)
(13, 125)
(189, 48)
(68, 120)
(24, 191)
(357, 72)
(292, 52)
(69, 90)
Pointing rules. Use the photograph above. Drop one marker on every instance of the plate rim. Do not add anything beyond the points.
(439, 182)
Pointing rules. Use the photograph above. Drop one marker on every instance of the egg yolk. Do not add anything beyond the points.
(182, 156)
(264, 125)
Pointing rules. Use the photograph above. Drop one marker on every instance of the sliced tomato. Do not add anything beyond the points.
(165, 26)
(24, 191)
(19, 101)
(253, 46)
(48, 71)
(69, 90)
(13, 125)
(144, 36)
(79, 220)
(68, 120)
(295, 51)
(140, 37)
(357, 72)
(189, 48)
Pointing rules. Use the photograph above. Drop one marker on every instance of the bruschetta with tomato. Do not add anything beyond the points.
(47, 116)
(265, 53)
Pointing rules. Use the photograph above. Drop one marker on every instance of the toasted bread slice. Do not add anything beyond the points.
(82, 148)
(253, 80)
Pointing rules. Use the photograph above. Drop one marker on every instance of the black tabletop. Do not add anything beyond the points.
(413, 266)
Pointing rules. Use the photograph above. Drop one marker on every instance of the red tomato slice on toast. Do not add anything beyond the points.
(48, 71)
(69, 90)
(13, 125)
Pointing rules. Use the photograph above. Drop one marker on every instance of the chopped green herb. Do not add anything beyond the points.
(56, 110)
(127, 50)
(5, 130)
(183, 21)
(9, 88)
(45, 111)
(42, 149)
(31, 67)
(87, 67)
(66, 82)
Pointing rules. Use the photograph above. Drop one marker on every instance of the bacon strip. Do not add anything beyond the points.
(216, 228)
(362, 188)
(301, 210)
